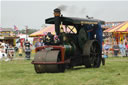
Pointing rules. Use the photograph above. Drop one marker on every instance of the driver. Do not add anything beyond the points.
(49, 39)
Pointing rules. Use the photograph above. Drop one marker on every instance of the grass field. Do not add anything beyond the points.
(21, 72)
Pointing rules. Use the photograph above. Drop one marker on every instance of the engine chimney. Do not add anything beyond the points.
(57, 14)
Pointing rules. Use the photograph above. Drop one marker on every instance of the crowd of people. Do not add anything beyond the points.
(6, 51)
(117, 48)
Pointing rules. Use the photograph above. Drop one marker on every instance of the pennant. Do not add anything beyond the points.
(15, 28)
(0, 29)
(26, 29)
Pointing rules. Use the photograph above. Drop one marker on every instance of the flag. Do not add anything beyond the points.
(0, 29)
(26, 29)
(15, 28)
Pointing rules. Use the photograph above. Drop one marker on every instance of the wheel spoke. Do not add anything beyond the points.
(94, 56)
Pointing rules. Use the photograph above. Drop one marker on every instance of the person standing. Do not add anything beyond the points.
(27, 48)
(42, 42)
(6, 47)
(124, 41)
(126, 50)
(11, 52)
(116, 49)
(2, 53)
(37, 44)
(122, 49)
(106, 48)
(20, 50)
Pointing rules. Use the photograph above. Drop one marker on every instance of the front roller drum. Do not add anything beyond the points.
(48, 57)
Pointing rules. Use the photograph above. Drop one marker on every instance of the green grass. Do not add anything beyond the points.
(21, 72)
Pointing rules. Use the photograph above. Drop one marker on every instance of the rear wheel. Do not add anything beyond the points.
(92, 54)
(48, 56)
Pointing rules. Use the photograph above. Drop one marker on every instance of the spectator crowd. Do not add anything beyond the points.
(117, 49)
(7, 51)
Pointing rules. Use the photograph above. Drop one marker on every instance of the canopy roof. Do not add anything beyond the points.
(6, 29)
(74, 20)
(51, 29)
(123, 27)
(43, 31)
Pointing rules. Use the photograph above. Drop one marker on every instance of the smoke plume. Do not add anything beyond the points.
(73, 10)
(62, 7)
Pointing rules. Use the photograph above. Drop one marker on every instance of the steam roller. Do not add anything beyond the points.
(48, 61)
(78, 41)
(46, 57)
